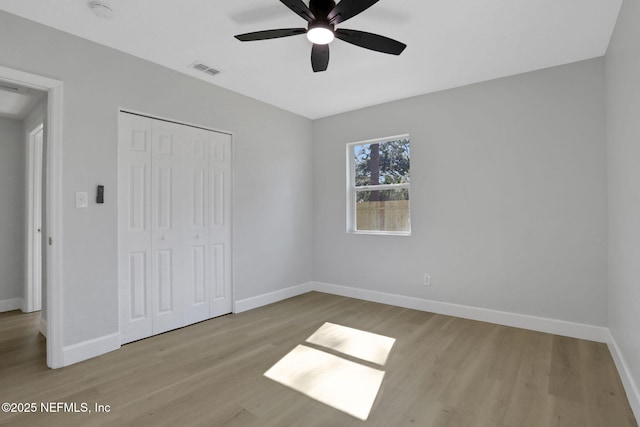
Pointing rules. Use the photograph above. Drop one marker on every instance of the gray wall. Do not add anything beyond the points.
(623, 139)
(508, 196)
(273, 181)
(12, 208)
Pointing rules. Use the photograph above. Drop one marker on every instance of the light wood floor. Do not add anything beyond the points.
(442, 371)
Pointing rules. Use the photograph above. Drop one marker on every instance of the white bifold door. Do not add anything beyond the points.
(174, 225)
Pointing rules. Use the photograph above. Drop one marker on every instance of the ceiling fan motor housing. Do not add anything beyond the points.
(321, 9)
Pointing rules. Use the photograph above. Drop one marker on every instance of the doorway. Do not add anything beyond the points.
(51, 203)
(22, 112)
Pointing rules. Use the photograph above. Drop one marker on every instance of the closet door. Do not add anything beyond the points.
(168, 225)
(134, 227)
(174, 214)
(196, 213)
(220, 229)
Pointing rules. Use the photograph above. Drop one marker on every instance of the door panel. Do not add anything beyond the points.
(218, 271)
(165, 280)
(138, 282)
(220, 230)
(34, 249)
(167, 239)
(163, 208)
(198, 256)
(199, 198)
(218, 199)
(196, 212)
(138, 186)
(134, 210)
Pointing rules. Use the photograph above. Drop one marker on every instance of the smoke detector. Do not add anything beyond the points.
(101, 8)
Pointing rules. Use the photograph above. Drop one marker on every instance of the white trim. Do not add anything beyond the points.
(352, 189)
(167, 119)
(55, 355)
(381, 187)
(381, 233)
(524, 321)
(351, 198)
(630, 385)
(376, 140)
(534, 323)
(232, 208)
(271, 297)
(11, 304)
(33, 165)
(54, 276)
(42, 326)
(92, 348)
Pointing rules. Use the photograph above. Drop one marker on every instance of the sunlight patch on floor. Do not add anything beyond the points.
(347, 386)
(354, 342)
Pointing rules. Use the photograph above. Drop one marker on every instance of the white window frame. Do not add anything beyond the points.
(352, 189)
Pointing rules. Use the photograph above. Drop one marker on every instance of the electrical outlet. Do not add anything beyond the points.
(427, 279)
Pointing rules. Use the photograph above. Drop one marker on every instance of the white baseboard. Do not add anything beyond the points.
(630, 386)
(10, 304)
(271, 297)
(86, 350)
(540, 324)
(42, 326)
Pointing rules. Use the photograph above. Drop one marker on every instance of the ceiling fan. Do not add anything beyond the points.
(322, 16)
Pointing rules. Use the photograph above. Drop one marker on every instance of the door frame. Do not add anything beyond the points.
(34, 174)
(53, 205)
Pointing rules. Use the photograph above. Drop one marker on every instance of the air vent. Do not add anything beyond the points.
(205, 68)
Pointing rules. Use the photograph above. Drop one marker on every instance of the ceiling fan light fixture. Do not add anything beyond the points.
(320, 34)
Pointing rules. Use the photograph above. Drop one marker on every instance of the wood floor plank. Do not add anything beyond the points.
(441, 371)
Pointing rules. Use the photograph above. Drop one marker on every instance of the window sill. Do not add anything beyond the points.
(382, 233)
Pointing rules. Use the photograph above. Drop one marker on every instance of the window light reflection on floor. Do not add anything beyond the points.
(354, 342)
(340, 383)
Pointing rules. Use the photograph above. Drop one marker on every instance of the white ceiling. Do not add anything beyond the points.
(451, 43)
(17, 101)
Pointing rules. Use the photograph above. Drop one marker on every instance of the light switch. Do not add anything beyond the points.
(82, 200)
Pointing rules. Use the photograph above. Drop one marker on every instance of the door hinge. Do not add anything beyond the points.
(50, 241)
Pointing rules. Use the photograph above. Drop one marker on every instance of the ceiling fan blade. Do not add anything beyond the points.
(347, 9)
(299, 7)
(270, 34)
(371, 41)
(319, 57)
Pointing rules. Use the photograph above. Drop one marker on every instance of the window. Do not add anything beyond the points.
(378, 186)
